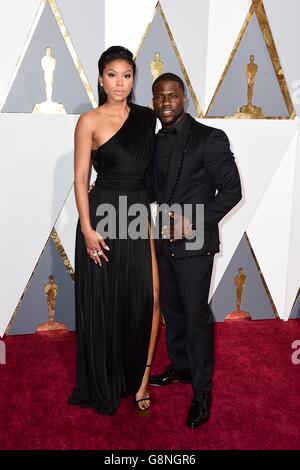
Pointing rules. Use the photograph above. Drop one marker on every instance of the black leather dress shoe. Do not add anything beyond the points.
(170, 376)
(199, 411)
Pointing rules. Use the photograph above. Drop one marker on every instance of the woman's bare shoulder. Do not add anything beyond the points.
(89, 119)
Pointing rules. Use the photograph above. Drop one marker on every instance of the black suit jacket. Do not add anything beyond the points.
(202, 170)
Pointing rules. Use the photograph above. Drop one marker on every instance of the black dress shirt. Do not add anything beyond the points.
(165, 143)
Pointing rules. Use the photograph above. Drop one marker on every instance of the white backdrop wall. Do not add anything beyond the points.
(36, 151)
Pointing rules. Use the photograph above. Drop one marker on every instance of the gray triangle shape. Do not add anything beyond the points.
(295, 313)
(85, 22)
(33, 308)
(233, 92)
(157, 40)
(255, 299)
(28, 87)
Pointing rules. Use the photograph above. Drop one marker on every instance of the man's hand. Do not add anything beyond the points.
(178, 229)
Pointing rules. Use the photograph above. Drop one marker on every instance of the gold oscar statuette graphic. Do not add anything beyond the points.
(49, 107)
(238, 314)
(156, 66)
(51, 289)
(250, 111)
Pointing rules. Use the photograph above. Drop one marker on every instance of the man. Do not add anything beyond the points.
(193, 165)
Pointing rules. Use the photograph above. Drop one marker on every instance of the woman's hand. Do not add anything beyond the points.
(95, 245)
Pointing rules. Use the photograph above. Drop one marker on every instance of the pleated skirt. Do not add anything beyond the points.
(113, 308)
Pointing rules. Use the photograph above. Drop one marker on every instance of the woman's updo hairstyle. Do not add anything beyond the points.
(114, 53)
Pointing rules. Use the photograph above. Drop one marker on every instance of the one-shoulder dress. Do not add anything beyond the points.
(114, 303)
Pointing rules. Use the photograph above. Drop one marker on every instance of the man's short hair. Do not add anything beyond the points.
(169, 76)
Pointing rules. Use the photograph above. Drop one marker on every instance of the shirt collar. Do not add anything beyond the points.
(180, 123)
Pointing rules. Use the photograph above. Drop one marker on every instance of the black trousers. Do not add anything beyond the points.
(184, 289)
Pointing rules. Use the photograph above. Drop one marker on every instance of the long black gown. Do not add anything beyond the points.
(114, 303)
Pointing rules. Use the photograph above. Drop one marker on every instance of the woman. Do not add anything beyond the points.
(116, 278)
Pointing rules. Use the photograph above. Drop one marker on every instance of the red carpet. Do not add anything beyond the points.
(256, 400)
